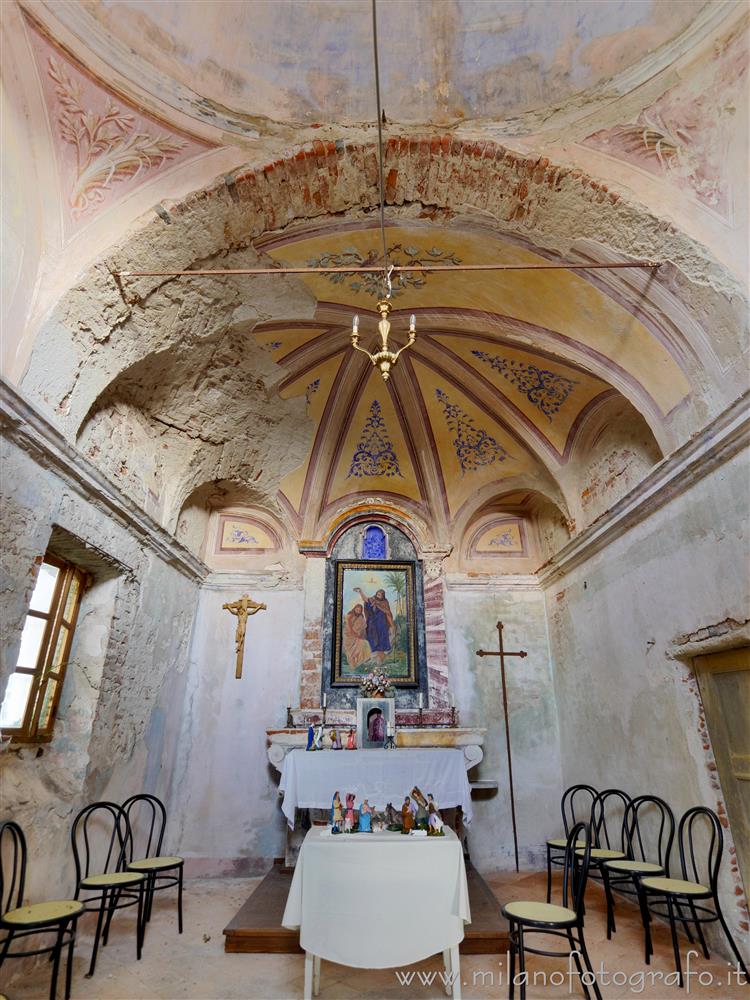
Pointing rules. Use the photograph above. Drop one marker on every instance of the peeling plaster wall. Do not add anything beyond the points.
(115, 733)
(224, 792)
(471, 614)
(629, 712)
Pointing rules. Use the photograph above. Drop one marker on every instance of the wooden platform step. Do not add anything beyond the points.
(256, 928)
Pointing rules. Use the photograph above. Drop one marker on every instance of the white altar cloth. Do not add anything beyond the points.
(378, 900)
(309, 780)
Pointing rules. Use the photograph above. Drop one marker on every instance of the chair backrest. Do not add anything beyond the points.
(576, 805)
(701, 842)
(649, 825)
(98, 836)
(12, 866)
(147, 818)
(607, 819)
(576, 867)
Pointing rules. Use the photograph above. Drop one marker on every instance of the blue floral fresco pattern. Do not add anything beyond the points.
(372, 283)
(375, 455)
(241, 536)
(312, 389)
(474, 447)
(544, 389)
(502, 541)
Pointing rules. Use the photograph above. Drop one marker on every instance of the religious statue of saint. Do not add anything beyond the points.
(242, 608)
(356, 647)
(380, 627)
(365, 817)
(375, 726)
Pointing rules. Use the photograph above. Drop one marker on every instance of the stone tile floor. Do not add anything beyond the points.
(195, 966)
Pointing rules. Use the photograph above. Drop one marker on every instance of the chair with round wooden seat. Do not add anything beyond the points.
(700, 827)
(575, 805)
(98, 837)
(563, 921)
(17, 921)
(608, 833)
(147, 819)
(648, 825)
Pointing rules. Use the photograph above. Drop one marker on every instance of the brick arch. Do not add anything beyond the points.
(107, 323)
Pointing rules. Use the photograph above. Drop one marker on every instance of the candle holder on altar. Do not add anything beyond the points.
(390, 743)
(289, 717)
(454, 717)
(421, 711)
(325, 713)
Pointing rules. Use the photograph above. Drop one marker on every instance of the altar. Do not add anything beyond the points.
(309, 780)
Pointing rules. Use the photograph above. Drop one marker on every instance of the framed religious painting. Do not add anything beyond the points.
(374, 623)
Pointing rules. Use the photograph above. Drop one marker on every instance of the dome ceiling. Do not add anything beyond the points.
(299, 61)
(506, 368)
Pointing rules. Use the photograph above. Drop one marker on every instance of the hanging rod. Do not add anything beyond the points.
(396, 269)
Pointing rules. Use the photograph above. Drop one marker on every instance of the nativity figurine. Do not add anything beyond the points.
(351, 741)
(335, 741)
(337, 814)
(349, 818)
(311, 737)
(365, 817)
(407, 816)
(434, 823)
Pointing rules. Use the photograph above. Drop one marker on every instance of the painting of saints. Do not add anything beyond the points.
(375, 726)
(380, 627)
(356, 646)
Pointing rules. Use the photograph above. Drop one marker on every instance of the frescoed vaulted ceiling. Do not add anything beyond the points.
(505, 370)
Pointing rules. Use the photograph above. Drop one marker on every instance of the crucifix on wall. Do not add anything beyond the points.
(243, 607)
(502, 653)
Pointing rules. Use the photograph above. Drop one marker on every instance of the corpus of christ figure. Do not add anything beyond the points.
(242, 607)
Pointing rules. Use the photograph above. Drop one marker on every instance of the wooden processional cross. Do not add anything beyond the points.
(502, 653)
(243, 607)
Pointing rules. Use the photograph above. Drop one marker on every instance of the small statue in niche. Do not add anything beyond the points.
(310, 737)
(349, 818)
(335, 741)
(434, 823)
(351, 740)
(337, 814)
(407, 816)
(365, 817)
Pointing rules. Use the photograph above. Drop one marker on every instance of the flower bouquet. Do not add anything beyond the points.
(376, 685)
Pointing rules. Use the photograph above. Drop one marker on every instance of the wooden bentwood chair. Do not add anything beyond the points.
(99, 836)
(575, 806)
(564, 921)
(147, 818)
(58, 916)
(700, 877)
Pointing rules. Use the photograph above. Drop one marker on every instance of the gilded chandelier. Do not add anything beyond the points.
(384, 359)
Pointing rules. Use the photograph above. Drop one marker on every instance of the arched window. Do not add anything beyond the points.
(374, 542)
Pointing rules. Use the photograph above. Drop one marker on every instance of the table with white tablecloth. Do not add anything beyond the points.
(309, 780)
(378, 900)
